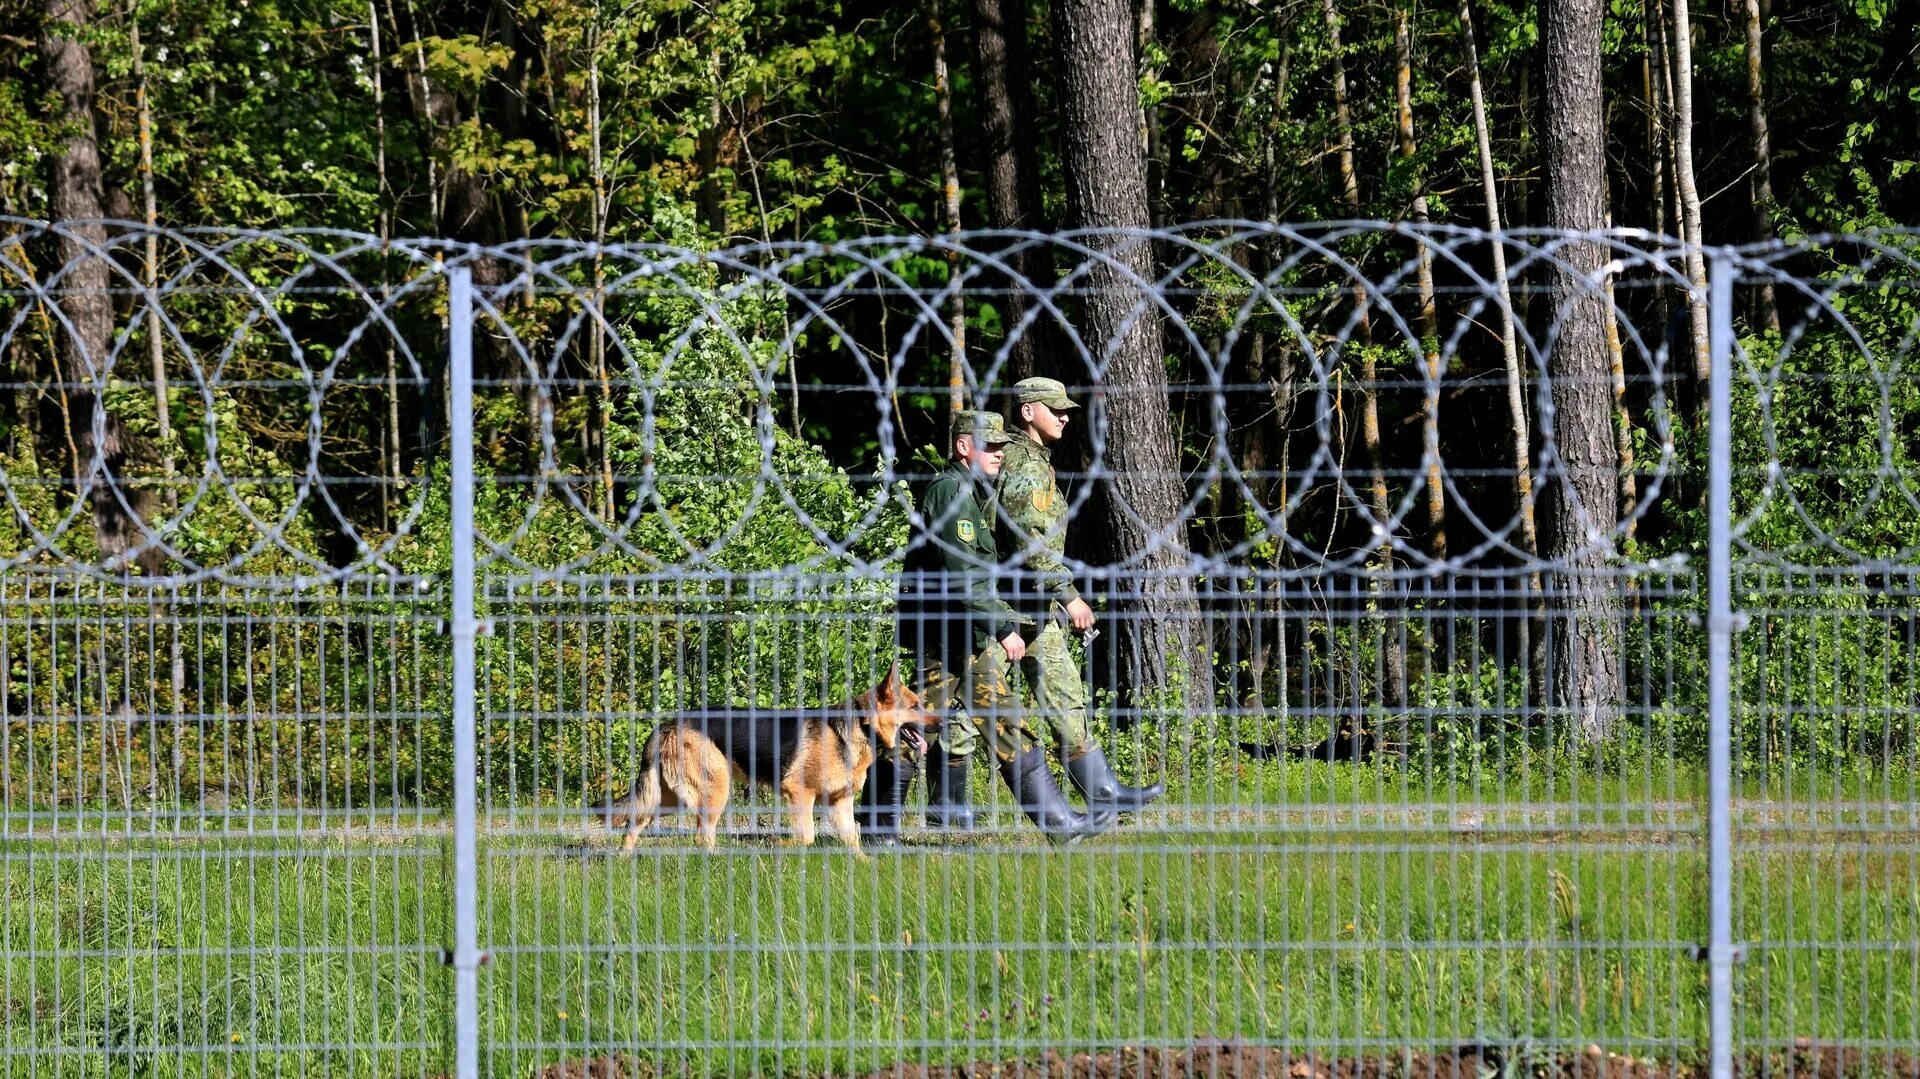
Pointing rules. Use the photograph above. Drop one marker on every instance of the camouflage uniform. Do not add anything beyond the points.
(1033, 519)
(952, 616)
(1033, 525)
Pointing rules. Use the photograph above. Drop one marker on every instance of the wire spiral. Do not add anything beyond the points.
(287, 354)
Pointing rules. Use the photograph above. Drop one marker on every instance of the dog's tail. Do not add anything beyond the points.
(621, 808)
(642, 800)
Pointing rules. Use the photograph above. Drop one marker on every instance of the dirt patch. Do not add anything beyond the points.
(616, 1066)
(1807, 1060)
(1804, 1060)
(1233, 1061)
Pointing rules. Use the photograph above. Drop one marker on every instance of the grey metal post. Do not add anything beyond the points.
(1720, 628)
(466, 937)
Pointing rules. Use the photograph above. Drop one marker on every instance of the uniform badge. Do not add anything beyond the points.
(965, 528)
(1043, 499)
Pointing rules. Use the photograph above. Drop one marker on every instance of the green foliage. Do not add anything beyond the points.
(704, 125)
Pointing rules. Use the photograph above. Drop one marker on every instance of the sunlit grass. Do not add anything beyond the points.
(1331, 906)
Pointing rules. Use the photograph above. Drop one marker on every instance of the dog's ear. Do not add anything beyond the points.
(890, 685)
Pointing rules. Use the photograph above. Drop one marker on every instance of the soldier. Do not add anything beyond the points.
(964, 638)
(1033, 522)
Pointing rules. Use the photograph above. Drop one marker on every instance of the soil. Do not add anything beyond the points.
(616, 1066)
(1805, 1060)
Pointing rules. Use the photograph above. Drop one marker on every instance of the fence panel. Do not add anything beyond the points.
(1825, 874)
(1420, 645)
(224, 825)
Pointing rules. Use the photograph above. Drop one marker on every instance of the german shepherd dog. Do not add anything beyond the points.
(812, 756)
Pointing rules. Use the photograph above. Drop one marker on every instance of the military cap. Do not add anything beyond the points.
(1043, 391)
(987, 427)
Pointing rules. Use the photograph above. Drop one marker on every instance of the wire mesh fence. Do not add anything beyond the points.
(1527, 659)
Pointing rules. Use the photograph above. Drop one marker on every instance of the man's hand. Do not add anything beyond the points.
(1080, 615)
(1015, 645)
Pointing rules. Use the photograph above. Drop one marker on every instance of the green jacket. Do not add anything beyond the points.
(1033, 518)
(949, 587)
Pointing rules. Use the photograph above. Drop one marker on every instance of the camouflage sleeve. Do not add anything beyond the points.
(1028, 525)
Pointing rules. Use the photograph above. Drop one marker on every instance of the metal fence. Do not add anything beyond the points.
(340, 578)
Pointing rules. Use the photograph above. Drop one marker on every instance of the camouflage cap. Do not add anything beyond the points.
(1043, 391)
(987, 427)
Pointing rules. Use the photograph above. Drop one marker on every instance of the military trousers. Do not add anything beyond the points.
(1059, 693)
(974, 698)
(977, 704)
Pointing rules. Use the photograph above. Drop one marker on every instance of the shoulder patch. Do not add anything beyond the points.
(964, 528)
(1043, 499)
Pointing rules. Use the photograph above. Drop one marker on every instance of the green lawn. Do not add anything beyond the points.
(1334, 907)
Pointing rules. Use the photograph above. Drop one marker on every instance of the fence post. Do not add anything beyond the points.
(466, 942)
(1720, 629)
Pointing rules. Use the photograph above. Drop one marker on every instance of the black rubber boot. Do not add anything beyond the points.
(1045, 804)
(947, 806)
(1093, 777)
(880, 802)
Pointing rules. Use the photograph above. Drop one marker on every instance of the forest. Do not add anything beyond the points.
(767, 127)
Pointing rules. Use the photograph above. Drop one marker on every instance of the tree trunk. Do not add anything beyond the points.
(1343, 119)
(1762, 152)
(85, 341)
(156, 342)
(1662, 31)
(1012, 172)
(1147, 32)
(1653, 78)
(1523, 215)
(157, 358)
(950, 203)
(597, 340)
(1390, 649)
(1689, 198)
(1270, 143)
(1281, 388)
(420, 92)
(1163, 636)
(1427, 322)
(384, 192)
(1622, 418)
(1517, 415)
(1280, 384)
(1583, 637)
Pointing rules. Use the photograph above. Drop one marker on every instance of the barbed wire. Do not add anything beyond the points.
(283, 353)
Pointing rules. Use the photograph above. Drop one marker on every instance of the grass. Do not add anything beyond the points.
(1334, 907)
